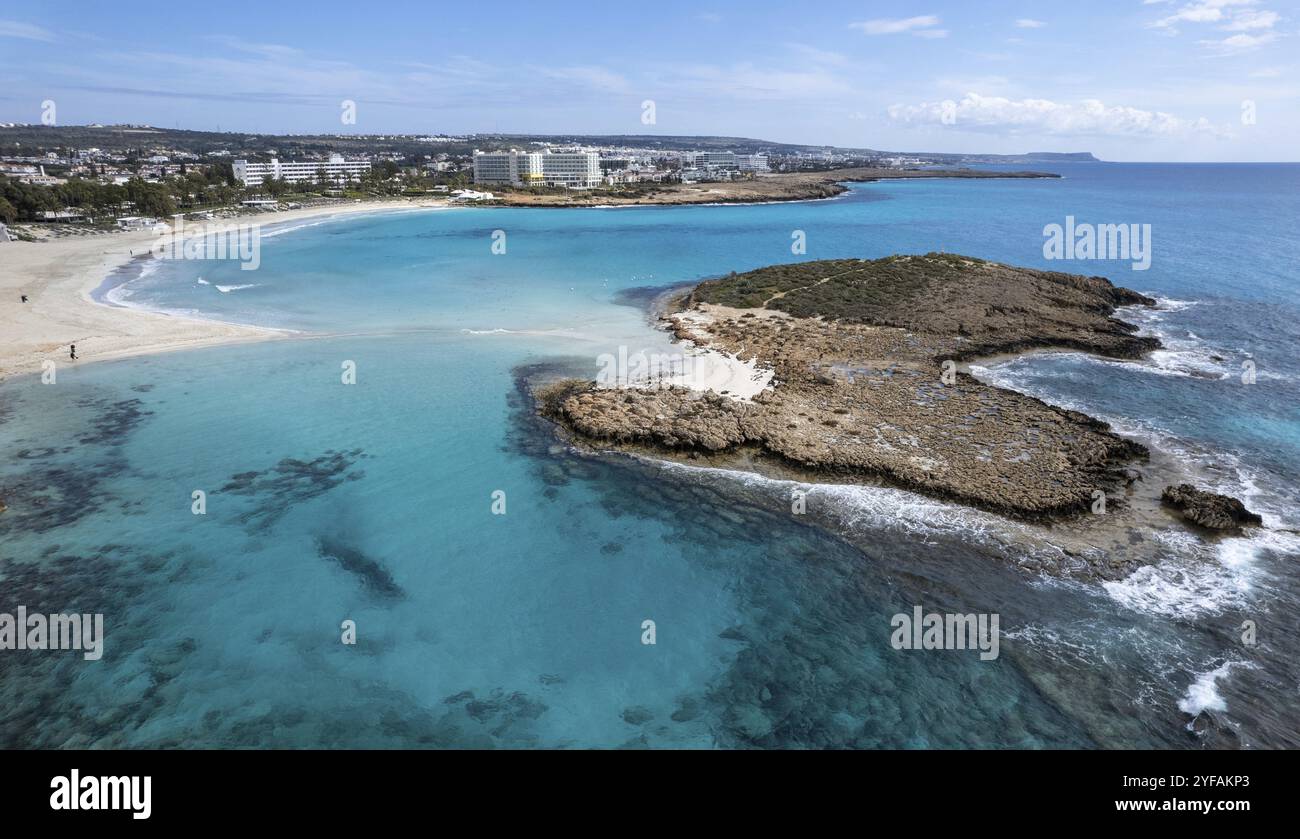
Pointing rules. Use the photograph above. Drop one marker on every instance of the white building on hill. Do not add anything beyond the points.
(577, 170)
(336, 169)
(724, 160)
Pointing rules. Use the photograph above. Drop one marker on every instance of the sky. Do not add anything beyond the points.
(1145, 80)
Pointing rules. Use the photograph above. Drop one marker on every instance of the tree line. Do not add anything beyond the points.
(216, 186)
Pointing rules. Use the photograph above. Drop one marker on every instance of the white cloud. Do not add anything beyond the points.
(1239, 43)
(1234, 14)
(921, 25)
(1045, 117)
(27, 31)
(275, 52)
(1202, 11)
(1029, 23)
(1251, 19)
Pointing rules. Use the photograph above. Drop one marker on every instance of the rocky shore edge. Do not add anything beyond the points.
(792, 186)
(867, 386)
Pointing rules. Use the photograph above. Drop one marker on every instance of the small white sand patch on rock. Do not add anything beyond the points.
(714, 369)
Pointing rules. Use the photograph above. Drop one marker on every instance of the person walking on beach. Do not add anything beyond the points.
(72, 352)
(24, 298)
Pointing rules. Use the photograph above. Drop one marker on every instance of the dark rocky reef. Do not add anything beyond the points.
(374, 576)
(292, 481)
(1209, 509)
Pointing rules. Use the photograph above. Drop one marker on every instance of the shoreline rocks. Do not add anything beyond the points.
(776, 187)
(1209, 509)
(864, 355)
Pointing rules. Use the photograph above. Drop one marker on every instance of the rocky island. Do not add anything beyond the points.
(868, 382)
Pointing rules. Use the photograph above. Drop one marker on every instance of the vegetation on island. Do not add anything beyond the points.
(858, 290)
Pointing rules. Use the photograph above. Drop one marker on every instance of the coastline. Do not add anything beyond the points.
(59, 277)
(823, 429)
(776, 188)
(1126, 552)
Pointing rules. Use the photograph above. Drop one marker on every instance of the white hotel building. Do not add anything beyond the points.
(336, 169)
(724, 160)
(576, 170)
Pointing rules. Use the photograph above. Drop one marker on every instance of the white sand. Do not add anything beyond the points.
(58, 275)
(716, 370)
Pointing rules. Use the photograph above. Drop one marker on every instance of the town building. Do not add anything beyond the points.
(573, 169)
(724, 160)
(471, 195)
(41, 179)
(336, 169)
(136, 222)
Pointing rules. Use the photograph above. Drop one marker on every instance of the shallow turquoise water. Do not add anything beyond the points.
(371, 501)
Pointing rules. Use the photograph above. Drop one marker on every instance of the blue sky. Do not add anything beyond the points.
(1125, 79)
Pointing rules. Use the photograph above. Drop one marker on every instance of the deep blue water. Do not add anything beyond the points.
(372, 502)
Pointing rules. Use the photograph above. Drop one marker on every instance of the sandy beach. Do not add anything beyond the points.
(715, 369)
(58, 276)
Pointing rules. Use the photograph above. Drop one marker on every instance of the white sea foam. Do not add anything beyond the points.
(282, 227)
(1195, 578)
(1221, 471)
(1201, 578)
(226, 289)
(1203, 693)
(121, 294)
(290, 228)
(859, 508)
(1184, 588)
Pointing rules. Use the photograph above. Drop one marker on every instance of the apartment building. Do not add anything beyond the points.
(573, 169)
(710, 160)
(336, 169)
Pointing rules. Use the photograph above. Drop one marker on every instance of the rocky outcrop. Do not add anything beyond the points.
(861, 396)
(983, 307)
(1209, 509)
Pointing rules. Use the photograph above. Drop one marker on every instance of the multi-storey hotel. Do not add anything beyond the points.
(578, 170)
(724, 160)
(336, 169)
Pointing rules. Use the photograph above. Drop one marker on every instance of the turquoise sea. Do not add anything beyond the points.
(372, 502)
